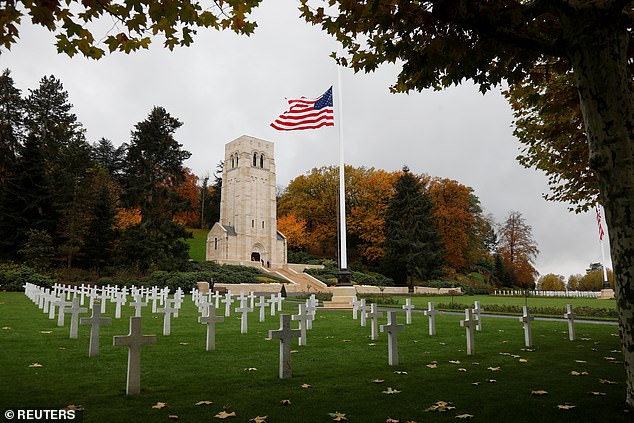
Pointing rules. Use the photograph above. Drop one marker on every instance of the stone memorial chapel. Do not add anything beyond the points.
(247, 231)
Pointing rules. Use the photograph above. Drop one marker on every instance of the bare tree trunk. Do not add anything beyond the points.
(599, 58)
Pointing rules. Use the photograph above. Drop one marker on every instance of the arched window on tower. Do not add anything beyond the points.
(232, 162)
(255, 159)
(262, 161)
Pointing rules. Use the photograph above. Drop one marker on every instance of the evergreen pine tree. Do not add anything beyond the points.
(11, 123)
(412, 246)
(25, 200)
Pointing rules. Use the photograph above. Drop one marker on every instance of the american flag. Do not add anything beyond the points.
(305, 113)
(601, 232)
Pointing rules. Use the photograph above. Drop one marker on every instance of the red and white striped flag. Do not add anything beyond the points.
(305, 113)
(601, 231)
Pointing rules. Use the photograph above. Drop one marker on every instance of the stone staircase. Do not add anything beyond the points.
(303, 281)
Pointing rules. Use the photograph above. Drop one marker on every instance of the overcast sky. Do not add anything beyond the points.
(225, 86)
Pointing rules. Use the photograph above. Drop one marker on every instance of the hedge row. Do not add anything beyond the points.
(13, 277)
(329, 274)
(546, 311)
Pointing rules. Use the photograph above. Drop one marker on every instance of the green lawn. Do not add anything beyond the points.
(339, 363)
(198, 244)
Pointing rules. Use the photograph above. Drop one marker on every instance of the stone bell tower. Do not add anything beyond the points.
(247, 231)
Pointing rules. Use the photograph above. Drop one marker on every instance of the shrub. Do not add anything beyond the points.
(546, 311)
(13, 277)
(379, 299)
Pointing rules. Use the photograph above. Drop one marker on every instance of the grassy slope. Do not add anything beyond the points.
(197, 244)
(339, 372)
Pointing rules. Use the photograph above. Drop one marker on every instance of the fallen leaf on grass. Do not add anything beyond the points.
(597, 394)
(505, 353)
(160, 405)
(609, 358)
(576, 373)
(432, 365)
(523, 360)
(465, 416)
(62, 348)
(36, 365)
(491, 380)
(528, 349)
(462, 369)
(442, 343)
(305, 385)
(440, 406)
(494, 369)
(454, 361)
(204, 402)
(391, 391)
(337, 416)
(46, 331)
(184, 343)
(580, 361)
(539, 392)
(74, 407)
(391, 420)
(515, 356)
(6, 328)
(345, 340)
(400, 372)
(250, 369)
(372, 344)
(377, 381)
(607, 382)
(285, 402)
(566, 406)
(476, 383)
(258, 419)
(225, 415)
(172, 417)
(294, 351)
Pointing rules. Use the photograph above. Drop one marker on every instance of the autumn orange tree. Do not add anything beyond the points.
(189, 193)
(453, 218)
(518, 249)
(551, 282)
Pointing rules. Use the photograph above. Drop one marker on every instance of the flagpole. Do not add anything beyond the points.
(606, 284)
(344, 277)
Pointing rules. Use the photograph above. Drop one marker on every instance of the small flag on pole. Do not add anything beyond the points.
(601, 232)
(305, 113)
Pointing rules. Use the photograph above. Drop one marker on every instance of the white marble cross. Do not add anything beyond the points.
(311, 308)
(273, 301)
(137, 304)
(104, 299)
(355, 308)
(95, 321)
(210, 320)
(363, 310)
(285, 334)
(178, 300)
(374, 315)
(134, 341)
(526, 319)
(228, 301)
(570, 316)
(217, 295)
(119, 299)
(245, 313)
(431, 313)
(167, 311)
(202, 305)
(61, 311)
(392, 329)
(54, 302)
(251, 299)
(408, 307)
(304, 317)
(476, 313)
(153, 296)
(262, 303)
(75, 310)
(469, 324)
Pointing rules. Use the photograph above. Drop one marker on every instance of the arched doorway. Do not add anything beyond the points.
(258, 253)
